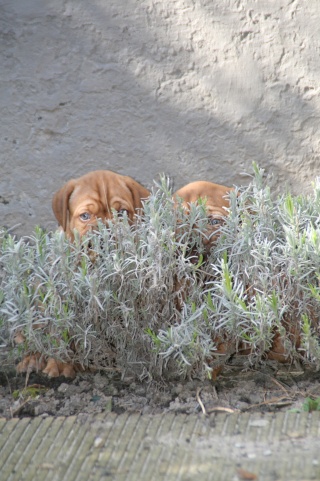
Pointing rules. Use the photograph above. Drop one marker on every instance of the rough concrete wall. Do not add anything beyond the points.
(194, 89)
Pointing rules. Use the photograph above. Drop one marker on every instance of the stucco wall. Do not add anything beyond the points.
(194, 89)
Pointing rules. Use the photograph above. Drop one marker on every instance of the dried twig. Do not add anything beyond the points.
(14, 412)
(200, 402)
(280, 385)
(222, 409)
(281, 401)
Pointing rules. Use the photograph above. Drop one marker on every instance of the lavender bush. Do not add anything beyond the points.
(147, 298)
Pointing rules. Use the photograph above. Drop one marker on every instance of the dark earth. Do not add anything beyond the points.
(272, 387)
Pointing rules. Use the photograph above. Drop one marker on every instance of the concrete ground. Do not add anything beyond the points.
(265, 447)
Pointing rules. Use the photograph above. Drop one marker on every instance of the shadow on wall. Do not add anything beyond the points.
(212, 106)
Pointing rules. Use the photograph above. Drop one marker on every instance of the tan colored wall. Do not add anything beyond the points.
(194, 89)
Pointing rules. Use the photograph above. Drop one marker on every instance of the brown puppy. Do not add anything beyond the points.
(81, 202)
(217, 204)
(77, 206)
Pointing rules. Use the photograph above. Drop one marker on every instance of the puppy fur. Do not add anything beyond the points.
(81, 202)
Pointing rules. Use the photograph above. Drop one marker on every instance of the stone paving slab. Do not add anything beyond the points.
(132, 447)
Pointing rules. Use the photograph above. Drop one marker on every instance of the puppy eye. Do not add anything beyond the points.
(215, 221)
(85, 216)
(122, 212)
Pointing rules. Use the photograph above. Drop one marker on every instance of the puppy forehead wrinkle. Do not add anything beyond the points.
(86, 207)
(216, 209)
(82, 197)
(101, 195)
(120, 202)
(115, 192)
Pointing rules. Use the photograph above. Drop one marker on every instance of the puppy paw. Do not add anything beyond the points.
(33, 362)
(57, 368)
(52, 368)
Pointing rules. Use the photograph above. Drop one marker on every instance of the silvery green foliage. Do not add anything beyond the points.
(108, 296)
(148, 300)
(267, 273)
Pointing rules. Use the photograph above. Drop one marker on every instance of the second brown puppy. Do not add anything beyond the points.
(217, 204)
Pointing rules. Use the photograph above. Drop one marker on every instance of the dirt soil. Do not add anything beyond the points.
(271, 388)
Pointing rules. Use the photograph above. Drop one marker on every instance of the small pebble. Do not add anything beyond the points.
(98, 442)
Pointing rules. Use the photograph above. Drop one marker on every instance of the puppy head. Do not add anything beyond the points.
(81, 202)
(217, 203)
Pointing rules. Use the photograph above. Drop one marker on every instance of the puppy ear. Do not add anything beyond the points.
(138, 192)
(60, 203)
